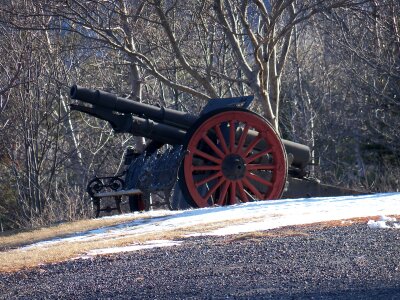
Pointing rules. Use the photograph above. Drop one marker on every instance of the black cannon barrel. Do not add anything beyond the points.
(301, 153)
(170, 125)
(123, 105)
(156, 131)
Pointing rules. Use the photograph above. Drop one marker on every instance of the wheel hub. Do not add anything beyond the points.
(233, 167)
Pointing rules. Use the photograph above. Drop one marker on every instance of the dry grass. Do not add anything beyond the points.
(300, 230)
(347, 222)
(19, 239)
(17, 259)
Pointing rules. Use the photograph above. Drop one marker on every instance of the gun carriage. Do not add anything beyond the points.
(226, 155)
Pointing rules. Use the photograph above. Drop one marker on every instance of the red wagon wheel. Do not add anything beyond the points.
(233, 156)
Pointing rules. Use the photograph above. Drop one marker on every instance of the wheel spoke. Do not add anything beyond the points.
(207, 179)
(206, 168)
(242, 192)
(259, 179)
(258, 155)
(232, 193)
(242, 138)
(207, 156)
(221, 139)
(232, 131)
(213, 189)
(251, 146)
(252, 188)
(221, 200)
(251, 167)
(213, 146)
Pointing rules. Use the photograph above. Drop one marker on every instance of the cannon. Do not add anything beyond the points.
(225, 155)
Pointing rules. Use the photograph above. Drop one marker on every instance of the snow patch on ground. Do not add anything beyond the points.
(130, 248)
(384, 222)
(235, 219)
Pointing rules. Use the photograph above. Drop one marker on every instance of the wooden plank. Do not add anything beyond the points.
(118, 193)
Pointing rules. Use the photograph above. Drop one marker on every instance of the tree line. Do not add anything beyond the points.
(324, 73)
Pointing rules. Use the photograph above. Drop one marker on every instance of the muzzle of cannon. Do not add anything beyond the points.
(232, 155)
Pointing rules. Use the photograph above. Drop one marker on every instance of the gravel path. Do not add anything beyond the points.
(352, 262)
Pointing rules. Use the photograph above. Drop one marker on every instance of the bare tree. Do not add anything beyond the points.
(342, 80)
(160, 38)
(46, 156)
(312, 66)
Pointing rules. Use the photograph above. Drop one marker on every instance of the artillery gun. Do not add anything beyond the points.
(225, 155)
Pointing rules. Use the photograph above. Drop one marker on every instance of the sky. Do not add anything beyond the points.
(242, 218)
